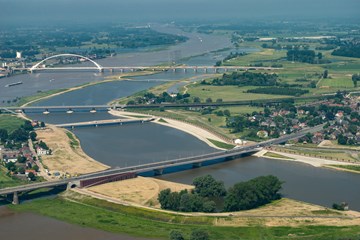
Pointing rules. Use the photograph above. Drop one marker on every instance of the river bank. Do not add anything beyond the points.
(67, 156)
(313, 161)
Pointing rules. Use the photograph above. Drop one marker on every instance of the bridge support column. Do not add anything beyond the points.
(197, 165)
(205, 70)
(184, 70)
(101, 70)
(71, 185)
(159, 171)
(111, 70)
(15, 198)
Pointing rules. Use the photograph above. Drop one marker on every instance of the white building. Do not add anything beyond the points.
(40, 151)
(18, 55)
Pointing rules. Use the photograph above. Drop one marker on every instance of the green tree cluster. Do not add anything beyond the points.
(241, 196)
(244, 79)
(253, 193)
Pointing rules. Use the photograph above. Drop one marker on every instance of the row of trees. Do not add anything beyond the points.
(306, 56)
(164, 97)
(244, 79)
(243, 195)
(197, 234)
(351, 50)
(279, 91)
(230, 56)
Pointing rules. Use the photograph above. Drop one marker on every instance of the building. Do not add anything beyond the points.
(40, 151)
(18, 55)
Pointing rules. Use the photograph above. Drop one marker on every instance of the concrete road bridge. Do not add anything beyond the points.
(40, 66)
(157, 167)
(107, 122)
(94, 108)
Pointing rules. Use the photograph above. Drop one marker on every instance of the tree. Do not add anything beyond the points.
(43, 145)
(219, 100)
(28, 126)
(11, 166)
(31, 176)
(3, 135)
(176, 235)
(342, 140)
(326, 73)
(207, 186)
(21, 170)
(19, 135)
(209, 100)
(36, 168)
(355, 78)
(197, 100)
(33, 136)
(21, 159)
(227, 113)
(42, 124)
(199, 234)
(253, 193)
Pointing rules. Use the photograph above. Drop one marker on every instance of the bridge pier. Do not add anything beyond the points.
(197, 165)
(15, 198)
(159, 171)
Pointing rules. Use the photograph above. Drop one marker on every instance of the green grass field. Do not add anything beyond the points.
(227, 93)
(74, 143)
(221, 144)
(275, 155)
(10, 122)
(6, 181)
(114, 218)
(354, 168)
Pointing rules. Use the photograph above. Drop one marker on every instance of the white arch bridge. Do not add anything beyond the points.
(36, 66)
(183, 68)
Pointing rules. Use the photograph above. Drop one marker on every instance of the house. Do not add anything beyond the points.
(40, 151)
(27, 171)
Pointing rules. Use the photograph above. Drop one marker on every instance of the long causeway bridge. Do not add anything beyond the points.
(107, 122)
(158, 167)
(40, 66)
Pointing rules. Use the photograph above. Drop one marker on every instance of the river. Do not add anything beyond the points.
(30, 226)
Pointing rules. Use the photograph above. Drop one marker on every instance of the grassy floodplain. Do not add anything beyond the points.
(89, 212)
(10, 122)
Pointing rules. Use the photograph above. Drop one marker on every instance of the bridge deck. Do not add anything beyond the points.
(104, 122)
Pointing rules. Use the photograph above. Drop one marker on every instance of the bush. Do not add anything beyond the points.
(176, 235)
(199, 234)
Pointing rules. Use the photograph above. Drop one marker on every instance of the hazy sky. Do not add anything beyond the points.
(42, 11)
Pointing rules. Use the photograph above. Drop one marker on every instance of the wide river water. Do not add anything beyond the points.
(143, 143)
